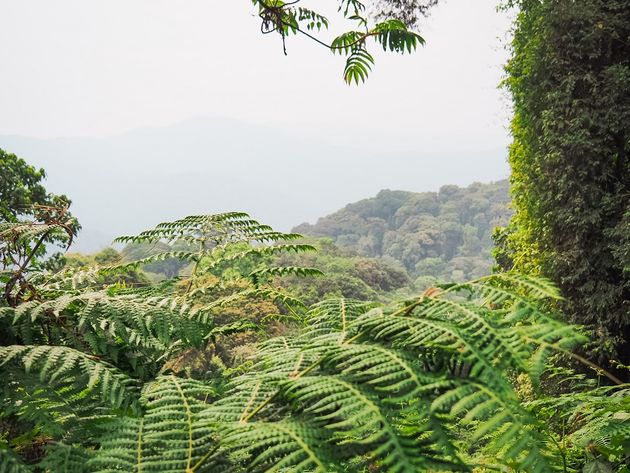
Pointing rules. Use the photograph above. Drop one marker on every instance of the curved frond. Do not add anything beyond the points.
(67, 366)
(357, 420)
(274, 447)
(167, 438)
(11, 462)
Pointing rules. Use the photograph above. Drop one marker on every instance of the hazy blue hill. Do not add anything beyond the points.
(125, 183)
(444, 234)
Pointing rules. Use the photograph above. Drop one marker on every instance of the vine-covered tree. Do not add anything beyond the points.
(569, 77)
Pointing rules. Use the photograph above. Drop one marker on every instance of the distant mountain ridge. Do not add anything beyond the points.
(125, 183)
(443, 235)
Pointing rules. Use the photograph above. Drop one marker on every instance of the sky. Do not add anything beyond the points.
(147, 110)
(96, 68)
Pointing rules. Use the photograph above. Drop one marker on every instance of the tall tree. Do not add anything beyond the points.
(569, 77)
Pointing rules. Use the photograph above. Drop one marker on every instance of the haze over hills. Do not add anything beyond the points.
(125, 183)
(444, 235)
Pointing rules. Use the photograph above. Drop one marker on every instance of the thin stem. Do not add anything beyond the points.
(203, 459)
(579, 358)
(13, 302)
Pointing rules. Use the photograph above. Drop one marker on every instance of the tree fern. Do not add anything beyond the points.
(58, 366)
(166, 438)
(426, 385)
(450, 358)
(10, 462)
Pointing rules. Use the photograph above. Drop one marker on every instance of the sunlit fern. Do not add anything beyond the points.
(361, 375)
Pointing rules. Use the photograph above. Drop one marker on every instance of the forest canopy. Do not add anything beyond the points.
(445, 235)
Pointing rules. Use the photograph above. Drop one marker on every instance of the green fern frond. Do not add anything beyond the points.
(167, 438)
(282, 271)
(533, 288)
(497, 420)
(389, 372)
(218, 228)
(336, 314)
(60, 366)
(274, 447)
(357, 420)
(65, 457)
(11, 462)
(502, 344)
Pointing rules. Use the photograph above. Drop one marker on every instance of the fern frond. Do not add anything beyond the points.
(336, 314)
(167, 438)
(274, 447)
(65, 457)
(282, 271)
(533, 288)
(389, 372)
(496, 419)
(11, 462)
(122, 447)
(66, 366)
(218, 228)
(356, 418)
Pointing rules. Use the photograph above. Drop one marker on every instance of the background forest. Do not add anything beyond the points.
(481, 328)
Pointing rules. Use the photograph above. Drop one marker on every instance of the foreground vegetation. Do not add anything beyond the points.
(102, 376)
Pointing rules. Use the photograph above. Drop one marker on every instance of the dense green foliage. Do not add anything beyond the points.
(21, 190)
(345, 274)
(443, 235)
(212, 343)
(569, 77)
(109, 378)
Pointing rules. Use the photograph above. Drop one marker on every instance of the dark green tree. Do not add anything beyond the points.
(21, 189)
(31, 221)
(569, 77)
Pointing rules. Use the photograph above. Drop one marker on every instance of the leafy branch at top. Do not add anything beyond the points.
(285, 18)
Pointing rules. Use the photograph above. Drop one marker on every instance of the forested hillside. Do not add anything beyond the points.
(444, 234)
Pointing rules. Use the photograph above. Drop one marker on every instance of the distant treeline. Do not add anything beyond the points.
(444, 234)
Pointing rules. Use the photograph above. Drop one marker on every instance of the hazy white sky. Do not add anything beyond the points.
(100, 67)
